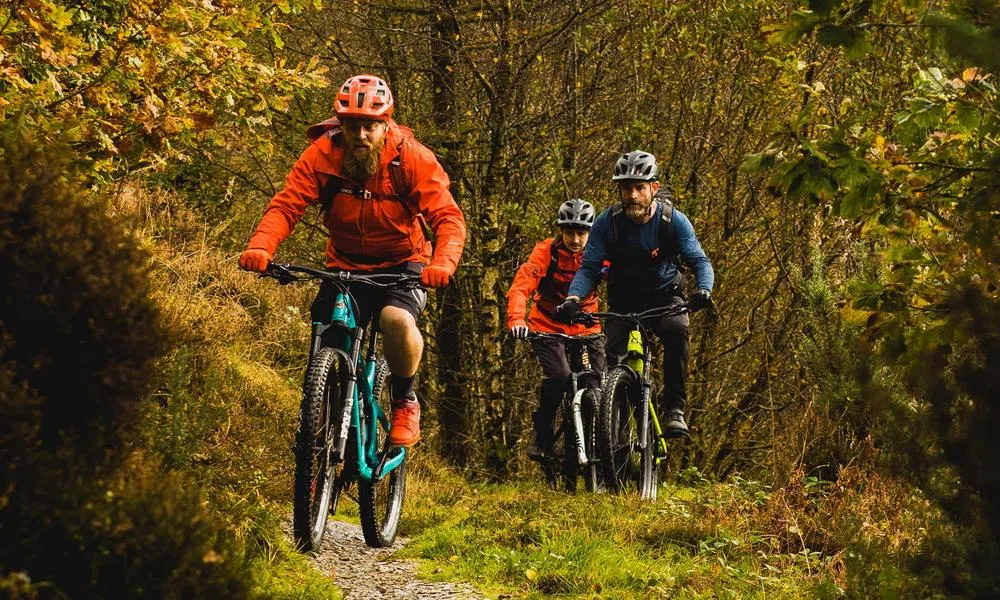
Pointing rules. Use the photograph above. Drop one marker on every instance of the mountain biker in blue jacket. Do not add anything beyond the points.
(646, 239)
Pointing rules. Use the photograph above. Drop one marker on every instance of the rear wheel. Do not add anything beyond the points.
(315, 473)
(618, 432)
(381, 500)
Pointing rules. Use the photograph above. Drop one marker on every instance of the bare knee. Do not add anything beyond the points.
(395, 320)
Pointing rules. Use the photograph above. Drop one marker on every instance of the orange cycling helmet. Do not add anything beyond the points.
(365, 97)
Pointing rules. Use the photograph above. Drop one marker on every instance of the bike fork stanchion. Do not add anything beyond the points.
(581, 444)
(346, 415)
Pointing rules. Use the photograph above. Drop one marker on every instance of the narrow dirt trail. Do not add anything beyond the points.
(365, 573)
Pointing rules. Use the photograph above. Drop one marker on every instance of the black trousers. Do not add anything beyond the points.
(552, 356)
(673, 334)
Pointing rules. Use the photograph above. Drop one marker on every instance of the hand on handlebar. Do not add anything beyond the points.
(255, 260)
(700, 299)
(519, 332)
(435, 276)
(568, 309)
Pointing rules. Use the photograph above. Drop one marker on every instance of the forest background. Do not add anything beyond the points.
(839, 159)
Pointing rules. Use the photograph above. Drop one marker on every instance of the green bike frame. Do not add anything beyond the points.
(636, 355)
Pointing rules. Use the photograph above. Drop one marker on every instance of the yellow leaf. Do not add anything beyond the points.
(880, 143)
(211, 557)
(60, 17)
(970, 74)
(453, 558)
(531, 574)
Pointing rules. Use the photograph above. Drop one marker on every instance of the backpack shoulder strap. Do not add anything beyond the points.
(617, 211)
(665, 235)
(330, 189)
(397, 175)
(553, 259)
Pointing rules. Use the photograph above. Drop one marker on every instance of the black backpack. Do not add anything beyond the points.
(665, 236)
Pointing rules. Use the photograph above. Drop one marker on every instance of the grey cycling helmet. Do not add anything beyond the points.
(637, 166)
(576, 213)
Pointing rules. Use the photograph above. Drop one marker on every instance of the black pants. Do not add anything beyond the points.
(552, 356)
(673, 333)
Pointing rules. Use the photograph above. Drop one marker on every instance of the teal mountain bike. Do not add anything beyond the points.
(342, 438)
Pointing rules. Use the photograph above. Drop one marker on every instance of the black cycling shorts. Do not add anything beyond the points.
(371, 299)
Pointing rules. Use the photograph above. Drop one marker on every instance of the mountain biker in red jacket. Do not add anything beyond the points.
(545, 278)
(378, 186)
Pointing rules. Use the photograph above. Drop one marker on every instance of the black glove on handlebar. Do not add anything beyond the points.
(567, 310)
(700, 299)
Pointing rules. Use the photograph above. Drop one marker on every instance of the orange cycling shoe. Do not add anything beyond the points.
(405, 430)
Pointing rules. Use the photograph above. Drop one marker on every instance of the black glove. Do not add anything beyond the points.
(567, 310)
(700, 299)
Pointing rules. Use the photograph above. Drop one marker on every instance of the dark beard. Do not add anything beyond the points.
(361, 170)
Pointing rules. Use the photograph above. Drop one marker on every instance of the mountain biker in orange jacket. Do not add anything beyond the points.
(378, 187)
(545, 278)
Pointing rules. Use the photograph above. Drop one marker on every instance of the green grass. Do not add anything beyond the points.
(524, 540)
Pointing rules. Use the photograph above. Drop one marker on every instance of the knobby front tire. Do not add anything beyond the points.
(648, 473)
(570, 463)
(589, 403)
(618, 432)
(590, 407)
(322, 397)
(381, 502)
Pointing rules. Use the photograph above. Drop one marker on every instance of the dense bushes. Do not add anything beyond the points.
(81, 514)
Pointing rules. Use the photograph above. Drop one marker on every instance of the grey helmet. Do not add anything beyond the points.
(576, 213)
(636, 165)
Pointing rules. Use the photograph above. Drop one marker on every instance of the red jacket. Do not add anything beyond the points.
(527, 283)
(377, 228)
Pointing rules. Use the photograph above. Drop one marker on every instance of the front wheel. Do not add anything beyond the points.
(589, 402)
(381, 500)
(590, 408)
(322, 396)
(618, 431)
(648, 472)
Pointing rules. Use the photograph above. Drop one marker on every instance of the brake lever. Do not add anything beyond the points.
(279, 272)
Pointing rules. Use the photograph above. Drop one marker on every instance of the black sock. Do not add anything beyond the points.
(400, 386)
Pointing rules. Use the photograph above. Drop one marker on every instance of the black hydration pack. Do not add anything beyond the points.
(667, 247)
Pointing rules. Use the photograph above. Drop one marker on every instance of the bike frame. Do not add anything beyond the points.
(647, 412)
(348, 338)
(575, 346)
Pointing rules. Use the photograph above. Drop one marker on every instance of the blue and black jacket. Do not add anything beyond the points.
(642, 273)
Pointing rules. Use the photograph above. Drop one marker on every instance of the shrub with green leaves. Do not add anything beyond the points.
(81, 514)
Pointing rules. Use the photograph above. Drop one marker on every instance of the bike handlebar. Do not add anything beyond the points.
(540, 335)
(286, 273)
(672, 310)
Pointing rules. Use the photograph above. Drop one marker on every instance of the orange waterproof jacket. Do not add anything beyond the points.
(373, 227)
(530, 282)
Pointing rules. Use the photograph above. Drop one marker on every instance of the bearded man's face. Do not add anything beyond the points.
(363, 143)
(636, 197)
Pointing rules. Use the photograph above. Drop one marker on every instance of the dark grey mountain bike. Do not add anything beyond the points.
(575, 421)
